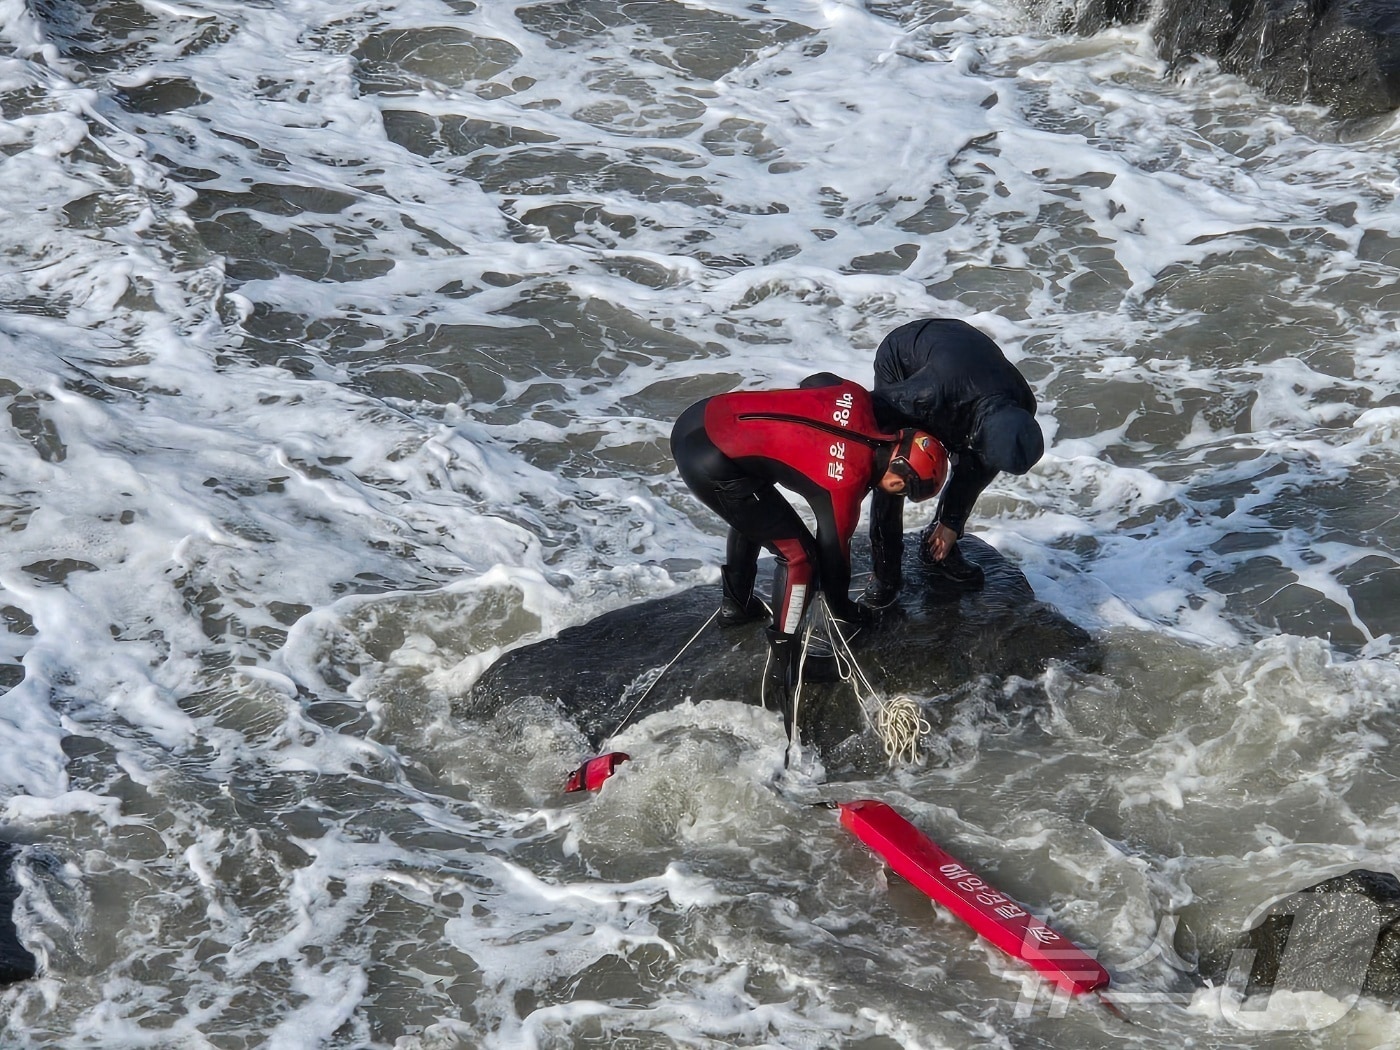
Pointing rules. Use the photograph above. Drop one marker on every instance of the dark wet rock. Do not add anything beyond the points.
(1087, 16)
(1344, 54)
(1339, 53)
(936, 638)
(1340, 937)
(17, 963)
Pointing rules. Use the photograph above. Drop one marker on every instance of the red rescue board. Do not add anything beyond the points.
(995, 916)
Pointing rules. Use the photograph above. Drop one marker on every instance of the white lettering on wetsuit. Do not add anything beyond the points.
(836, 466)
(844, 404)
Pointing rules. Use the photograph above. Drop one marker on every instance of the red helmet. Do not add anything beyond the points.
(922, 462)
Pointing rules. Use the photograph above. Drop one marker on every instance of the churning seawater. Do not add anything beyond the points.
(339, 344)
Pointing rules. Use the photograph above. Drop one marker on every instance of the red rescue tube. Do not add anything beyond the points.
(591, 775)
(994, 915)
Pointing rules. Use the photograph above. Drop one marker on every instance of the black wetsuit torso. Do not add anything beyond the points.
(943, 376)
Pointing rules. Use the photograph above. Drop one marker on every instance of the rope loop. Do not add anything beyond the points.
(898, 721)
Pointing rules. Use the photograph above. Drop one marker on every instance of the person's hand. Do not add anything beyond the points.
(938, 542)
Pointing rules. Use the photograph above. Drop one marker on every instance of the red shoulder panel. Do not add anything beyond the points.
(823, 432)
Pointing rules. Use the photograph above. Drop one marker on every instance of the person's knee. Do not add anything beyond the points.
(738, 495)
(796, 560)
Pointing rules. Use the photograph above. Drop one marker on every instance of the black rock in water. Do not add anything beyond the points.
(17, 963)
(1339, 937)
(1344, 54)
(1339, 53)
(1087, 16)
(936, 637)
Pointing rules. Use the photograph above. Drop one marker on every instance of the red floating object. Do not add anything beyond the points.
(994, 915)
(590, 775)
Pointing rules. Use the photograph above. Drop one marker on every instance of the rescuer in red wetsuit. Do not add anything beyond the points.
(821, 442)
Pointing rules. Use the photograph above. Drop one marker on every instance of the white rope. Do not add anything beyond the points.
(795, 737)
(898, 721)
(661, 674)
(900, 725)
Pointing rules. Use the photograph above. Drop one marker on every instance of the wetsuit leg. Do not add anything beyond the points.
(752, 507)
(739, 604)
(756, 509)
(757, 514)
(792, 582)
(886, 549)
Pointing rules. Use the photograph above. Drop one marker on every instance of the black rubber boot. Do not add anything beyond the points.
(780, 675)
(954, 568)
(739, 604)
(878, 594)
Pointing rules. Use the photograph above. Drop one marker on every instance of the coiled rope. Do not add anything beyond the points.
(898, 720)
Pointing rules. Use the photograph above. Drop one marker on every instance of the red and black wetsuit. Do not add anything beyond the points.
(819, 441)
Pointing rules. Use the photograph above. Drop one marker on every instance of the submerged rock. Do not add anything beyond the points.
(1339, 937)
(17, 963)
(936, 638)
(1344, 54)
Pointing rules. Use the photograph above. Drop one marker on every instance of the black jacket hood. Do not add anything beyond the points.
(1009, 439)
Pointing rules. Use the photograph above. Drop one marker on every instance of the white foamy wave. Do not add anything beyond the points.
(339, 348)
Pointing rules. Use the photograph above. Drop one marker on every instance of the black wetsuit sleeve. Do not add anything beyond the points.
(970, 477)
(834, 565)
(887, 537)
(906, 404)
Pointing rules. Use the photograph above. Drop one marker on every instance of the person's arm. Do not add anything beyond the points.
(970, 477)
(834, 561)
(836, 578)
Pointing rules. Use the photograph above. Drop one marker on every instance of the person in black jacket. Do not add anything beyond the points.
(943, 376)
